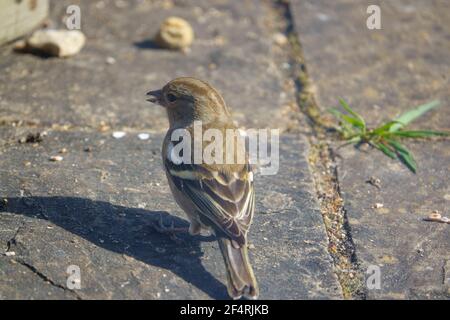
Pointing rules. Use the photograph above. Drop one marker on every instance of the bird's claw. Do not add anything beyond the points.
(171, 230)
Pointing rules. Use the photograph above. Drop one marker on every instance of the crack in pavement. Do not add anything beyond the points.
(13, 239)
(446, 272)
(30, 267)
(46, 278)
(324, 172)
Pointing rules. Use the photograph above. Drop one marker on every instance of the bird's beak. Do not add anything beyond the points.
(154, 96)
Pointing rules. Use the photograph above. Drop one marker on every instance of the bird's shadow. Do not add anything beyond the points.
(147, 44)
(129, 231)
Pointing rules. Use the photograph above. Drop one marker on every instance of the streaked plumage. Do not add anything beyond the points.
(219, 197)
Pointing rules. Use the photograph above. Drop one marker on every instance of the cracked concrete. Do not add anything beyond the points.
(11, 248)
(45, 278)
(323, 170)
(314, 234)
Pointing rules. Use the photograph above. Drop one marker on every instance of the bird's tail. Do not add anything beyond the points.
(241, 281)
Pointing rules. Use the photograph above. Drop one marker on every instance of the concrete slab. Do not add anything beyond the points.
(234, 50)
(96, 209)
(382, 73)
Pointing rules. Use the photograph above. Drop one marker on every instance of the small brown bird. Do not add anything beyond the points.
(218, 196)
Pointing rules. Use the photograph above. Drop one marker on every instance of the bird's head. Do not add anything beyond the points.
(189, 99)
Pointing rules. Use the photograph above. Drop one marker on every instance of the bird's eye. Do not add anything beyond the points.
(171, 97)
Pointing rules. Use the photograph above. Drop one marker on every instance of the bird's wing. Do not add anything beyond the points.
(226, 200)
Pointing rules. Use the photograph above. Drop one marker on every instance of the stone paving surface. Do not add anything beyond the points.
(97, 208)
(382, 73)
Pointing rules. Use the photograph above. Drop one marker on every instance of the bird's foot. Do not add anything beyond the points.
(170, 230)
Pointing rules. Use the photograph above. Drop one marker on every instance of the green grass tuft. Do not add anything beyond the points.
(386, 137)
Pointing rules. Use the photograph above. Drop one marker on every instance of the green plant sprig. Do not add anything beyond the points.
(387, 136)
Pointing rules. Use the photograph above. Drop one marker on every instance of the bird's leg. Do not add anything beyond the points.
(194, 228)
(172, 231)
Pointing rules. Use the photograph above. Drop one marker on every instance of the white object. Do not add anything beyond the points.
(143, 136)
(119, 134)
(110, 60)
(56, 158)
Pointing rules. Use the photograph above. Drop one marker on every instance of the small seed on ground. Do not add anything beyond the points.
(56, 158)
(280, 39)
(110, 60)
(119, 134)
(143, 136)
